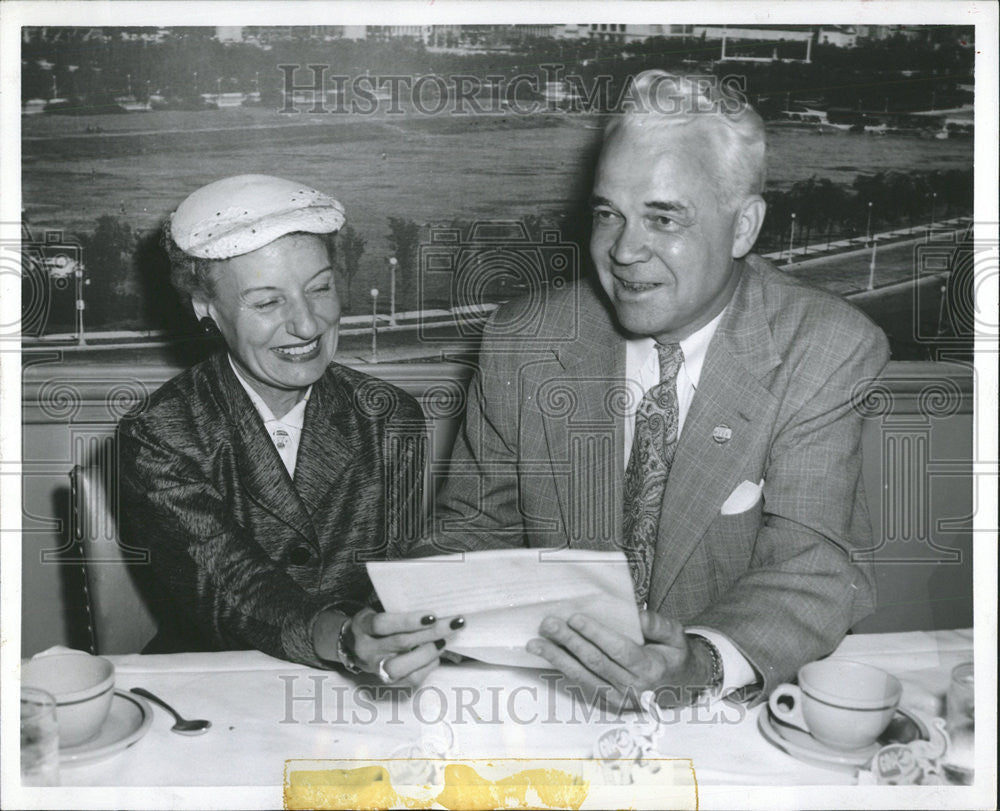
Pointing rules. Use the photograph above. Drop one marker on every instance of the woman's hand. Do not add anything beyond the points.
(400, 648)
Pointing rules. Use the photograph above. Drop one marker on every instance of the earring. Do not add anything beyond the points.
(207, 325)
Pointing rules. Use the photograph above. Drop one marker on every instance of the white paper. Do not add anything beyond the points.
(505, 594)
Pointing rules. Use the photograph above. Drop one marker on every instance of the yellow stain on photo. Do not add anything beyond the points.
(500, 783)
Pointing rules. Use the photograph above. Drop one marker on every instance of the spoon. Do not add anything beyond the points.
(182, 727)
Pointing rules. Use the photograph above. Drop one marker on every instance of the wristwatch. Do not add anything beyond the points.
(345, 648)
(716, 679)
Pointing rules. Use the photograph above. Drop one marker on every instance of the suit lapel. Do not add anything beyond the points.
(584, 425)
(731, 393)
(258, 461)
(325, 450)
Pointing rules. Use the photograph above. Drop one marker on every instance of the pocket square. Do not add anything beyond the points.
(745, 496)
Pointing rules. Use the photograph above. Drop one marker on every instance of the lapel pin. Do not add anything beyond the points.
(722, 433)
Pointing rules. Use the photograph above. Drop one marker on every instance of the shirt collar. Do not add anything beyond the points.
(293, 419)
(638, 351)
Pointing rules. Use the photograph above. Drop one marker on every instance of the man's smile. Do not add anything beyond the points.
(628, 289)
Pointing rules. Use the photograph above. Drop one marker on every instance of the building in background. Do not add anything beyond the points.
(229, 33)
(619, 32)
(474, 38)
(842, 36)
(759, 43)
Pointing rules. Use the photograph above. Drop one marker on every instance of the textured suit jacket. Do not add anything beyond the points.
(246, 555)
(539, 461)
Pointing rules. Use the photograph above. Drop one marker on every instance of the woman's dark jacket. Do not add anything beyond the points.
(246, 555)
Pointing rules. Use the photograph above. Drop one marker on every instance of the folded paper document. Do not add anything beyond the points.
(505, 594)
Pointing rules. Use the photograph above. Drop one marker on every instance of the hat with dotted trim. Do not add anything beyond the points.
(236, 215)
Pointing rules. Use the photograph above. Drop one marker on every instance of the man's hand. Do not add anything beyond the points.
(615, 670)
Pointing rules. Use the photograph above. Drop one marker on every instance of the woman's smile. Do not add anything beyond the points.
(298, 352)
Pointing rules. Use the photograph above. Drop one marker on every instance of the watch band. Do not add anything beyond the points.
(345, 648)
(718, 675)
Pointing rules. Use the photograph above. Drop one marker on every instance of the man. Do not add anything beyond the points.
(697, 413)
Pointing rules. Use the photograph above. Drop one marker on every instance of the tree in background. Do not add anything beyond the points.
(352, 247)
(807, 204)
(833, 200)
(114, 295)
(404, 240)
(774, 233)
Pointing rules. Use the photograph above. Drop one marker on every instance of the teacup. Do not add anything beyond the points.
(845, 705)
(83, 686)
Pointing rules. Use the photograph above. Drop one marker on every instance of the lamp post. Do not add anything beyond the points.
(393, 262)
(374, 295)
(868, 229)
(871, 266)
(80, 303)
(791, 239)
(943, 302)
(933, 206)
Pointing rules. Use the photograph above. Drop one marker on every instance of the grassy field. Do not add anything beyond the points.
(426, 169)
(434, 168)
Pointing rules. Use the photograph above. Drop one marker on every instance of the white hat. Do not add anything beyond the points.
(239, 214)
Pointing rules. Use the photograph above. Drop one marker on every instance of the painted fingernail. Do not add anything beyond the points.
(439, 644)
(428, 620)
(457, 623)
(535, 648)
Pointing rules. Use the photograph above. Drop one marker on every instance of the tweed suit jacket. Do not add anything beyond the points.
(540, 460)
(246, 555)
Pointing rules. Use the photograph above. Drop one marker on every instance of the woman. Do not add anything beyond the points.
(261, 479)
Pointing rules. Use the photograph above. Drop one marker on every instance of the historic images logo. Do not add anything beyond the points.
(314, 89)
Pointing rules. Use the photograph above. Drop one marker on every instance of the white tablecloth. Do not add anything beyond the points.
(494, 712)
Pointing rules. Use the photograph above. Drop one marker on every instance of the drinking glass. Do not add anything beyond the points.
(960, 718)
(39, 738)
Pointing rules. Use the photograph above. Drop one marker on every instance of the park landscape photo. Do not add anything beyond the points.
(870, 135)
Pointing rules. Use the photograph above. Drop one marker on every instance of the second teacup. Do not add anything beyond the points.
(843, 704)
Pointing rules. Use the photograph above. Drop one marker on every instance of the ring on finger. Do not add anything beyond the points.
(382, 673)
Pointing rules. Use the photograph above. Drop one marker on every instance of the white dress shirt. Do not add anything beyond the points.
(642, 372)
(286, 432)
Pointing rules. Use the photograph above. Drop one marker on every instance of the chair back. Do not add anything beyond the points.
(121, 618)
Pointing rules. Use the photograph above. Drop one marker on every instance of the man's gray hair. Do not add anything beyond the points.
(659, 101)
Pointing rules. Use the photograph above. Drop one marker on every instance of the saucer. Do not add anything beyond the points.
(127, 721)
(803, 746)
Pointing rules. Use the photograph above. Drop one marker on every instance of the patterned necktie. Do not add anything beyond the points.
(653, 445)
